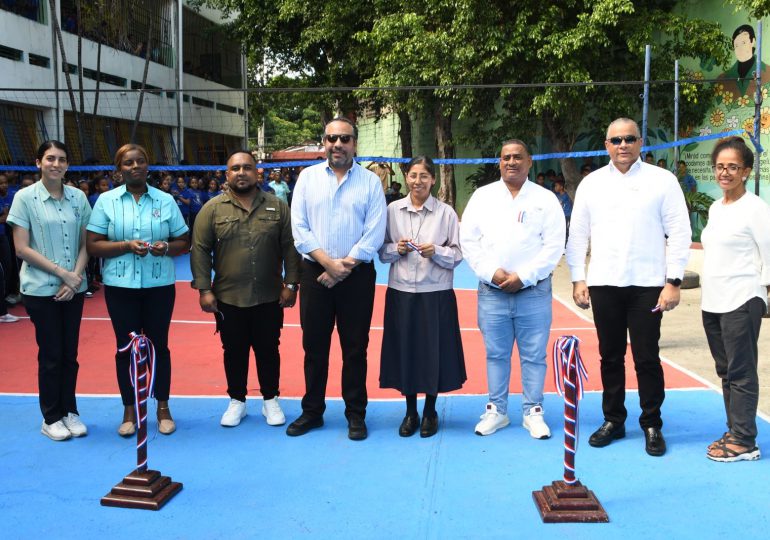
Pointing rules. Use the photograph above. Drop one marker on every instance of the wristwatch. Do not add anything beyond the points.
(675, 282)
(292, 286)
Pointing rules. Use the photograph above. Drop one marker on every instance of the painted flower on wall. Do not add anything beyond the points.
(748, 125)
(764, 120)
(732, 122)
(728, 97)
(717, 118)
(744, 101)
(705, 130)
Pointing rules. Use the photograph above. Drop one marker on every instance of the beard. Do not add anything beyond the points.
(242, 190)
(344, 161)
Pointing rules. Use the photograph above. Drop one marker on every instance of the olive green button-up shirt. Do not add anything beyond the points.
(247, 250)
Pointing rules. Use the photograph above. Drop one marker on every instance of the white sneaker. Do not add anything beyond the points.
(56, 431)
(271, 410)
(535, 423)
(75, 426)
(13, 299)
(234, 413)
(491, 421)
(8, 318)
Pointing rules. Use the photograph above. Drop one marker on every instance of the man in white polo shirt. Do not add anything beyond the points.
(636, 220)
(512, 235)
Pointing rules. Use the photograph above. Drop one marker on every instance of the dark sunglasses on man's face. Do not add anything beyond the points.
(333, 138)
(629, 139)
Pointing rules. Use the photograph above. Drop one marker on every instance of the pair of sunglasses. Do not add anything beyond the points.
(333, 138)
(629, 139)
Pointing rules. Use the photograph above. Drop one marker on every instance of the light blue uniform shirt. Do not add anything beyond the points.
(344, 219)
(54, 232)
(156, 217)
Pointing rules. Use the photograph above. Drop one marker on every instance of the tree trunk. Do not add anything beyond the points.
(560, 138)
(446, 150)
(65, 65)
(147, 54)
(405, 136)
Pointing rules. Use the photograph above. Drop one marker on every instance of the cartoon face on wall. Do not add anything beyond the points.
(744, 42)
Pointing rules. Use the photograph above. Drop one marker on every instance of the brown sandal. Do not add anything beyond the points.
(720, 451)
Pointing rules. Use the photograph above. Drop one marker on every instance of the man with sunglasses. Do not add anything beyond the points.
(338, 219)
(636, 220)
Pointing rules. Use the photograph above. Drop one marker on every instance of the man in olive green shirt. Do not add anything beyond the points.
(244, 235)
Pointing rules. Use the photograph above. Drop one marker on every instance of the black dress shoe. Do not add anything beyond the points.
(608, 432)
(654, 442)
(303, 424)
(356, 429)
(409, 425)
(429, 425)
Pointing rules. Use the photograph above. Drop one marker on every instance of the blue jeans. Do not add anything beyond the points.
(524, 318)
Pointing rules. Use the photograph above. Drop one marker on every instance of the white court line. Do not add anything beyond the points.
(332, 398)
(295, 325)
(663, 359)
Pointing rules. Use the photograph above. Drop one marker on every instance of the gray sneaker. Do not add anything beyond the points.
(56, 431)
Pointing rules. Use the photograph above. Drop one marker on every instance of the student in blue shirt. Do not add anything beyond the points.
(49, 220)
(213, 189)
(196, 198)
(137, 229)
(182, 197)
(6, 260)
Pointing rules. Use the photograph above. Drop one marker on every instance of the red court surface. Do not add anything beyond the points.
(196, 353)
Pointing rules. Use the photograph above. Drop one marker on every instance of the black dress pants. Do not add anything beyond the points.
(148, 312)
(732, 339)
(257, 328)
(57, 330)
(617, 310)
(349, 304)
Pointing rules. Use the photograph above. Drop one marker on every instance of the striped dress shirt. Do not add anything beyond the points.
(345, 218)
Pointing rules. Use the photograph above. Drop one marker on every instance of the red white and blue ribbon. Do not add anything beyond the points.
(569, 374)
(142, 374)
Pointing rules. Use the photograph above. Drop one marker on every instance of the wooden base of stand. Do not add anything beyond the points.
(146, 490)
(565, 503)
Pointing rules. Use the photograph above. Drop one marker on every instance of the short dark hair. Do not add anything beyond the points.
(519, 142)
(242, 151)
(744, 28)
(734, 143)
(348, 121)
(422, 160)
(47, 145)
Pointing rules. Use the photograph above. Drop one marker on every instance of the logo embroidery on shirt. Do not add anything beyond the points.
(156, 213)
(76, 210)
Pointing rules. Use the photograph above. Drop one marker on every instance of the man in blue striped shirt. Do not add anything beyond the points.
(338, 223)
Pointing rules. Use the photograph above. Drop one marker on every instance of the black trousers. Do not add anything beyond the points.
(57, 330)
(146, 311)
(349, 304)
(617, 309)
(732, 338)
(257, 328)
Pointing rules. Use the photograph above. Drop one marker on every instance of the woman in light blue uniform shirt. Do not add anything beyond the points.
(137, 229)
(49, 220)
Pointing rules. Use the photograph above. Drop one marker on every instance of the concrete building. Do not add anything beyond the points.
(194, 104)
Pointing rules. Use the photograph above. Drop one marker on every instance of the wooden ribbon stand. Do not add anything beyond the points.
(142, 488)
(569, 501)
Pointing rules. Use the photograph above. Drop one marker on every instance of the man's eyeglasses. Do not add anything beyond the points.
(333, 138)
(629, 139)
(732, 168)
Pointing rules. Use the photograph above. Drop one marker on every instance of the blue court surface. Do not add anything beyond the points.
(254, 481)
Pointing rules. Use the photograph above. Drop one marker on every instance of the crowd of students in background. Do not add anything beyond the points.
(191, 190)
